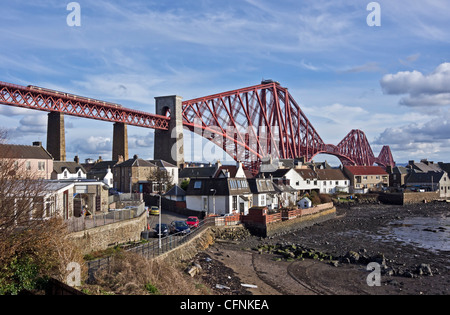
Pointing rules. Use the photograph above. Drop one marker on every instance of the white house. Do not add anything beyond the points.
(219, 195)
(68, 170)
(332, 181)
(308, 180)
(264, 193)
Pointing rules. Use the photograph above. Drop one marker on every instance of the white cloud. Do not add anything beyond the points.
(423, 89)
(419, 139)
(92, 145)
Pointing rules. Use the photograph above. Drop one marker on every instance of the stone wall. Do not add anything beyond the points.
(418, 197)
(202, 241)
(102, 237)
(408, 197)
(300, 222)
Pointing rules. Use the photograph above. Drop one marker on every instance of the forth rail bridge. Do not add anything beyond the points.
(250, 124)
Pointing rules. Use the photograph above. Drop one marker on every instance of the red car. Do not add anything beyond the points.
(193, 222)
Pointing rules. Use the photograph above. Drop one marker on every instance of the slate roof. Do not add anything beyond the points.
(72, 167)
(222, 187)
(136, 163)
(306, 173)
(429, 177)
(279, 173)
(425, 166)
(176, 191)
(330, 174)
(198, 172)
(12, 151)
(162, 163)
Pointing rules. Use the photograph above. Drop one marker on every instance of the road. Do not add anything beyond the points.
(166, 217)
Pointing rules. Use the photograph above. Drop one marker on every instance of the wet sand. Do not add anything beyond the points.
(363, 229)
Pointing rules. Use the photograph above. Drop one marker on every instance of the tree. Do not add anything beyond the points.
(33, 246)
(162, 178)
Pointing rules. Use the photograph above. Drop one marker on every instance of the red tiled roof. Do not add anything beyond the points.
(366, 170)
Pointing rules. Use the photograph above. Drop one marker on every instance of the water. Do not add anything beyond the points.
(432, 233)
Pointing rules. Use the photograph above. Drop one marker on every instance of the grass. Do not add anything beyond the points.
(132, 274)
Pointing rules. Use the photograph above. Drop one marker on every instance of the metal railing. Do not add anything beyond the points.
(152, 249)
(88, 222)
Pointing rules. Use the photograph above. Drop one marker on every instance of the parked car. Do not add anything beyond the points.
(193, 222)
(179, 226)
(165, 231)
(154, 210)
(113, 191)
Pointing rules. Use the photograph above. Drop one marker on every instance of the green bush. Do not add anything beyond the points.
(20, 274)
(151, 289)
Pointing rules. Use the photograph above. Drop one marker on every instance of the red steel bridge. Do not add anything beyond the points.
(249, 124)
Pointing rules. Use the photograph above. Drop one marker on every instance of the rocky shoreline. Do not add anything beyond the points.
(331, 257)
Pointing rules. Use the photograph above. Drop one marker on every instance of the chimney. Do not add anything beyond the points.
(77, 159)
(135, 157)
(37, 144)
(99, 159)
(120, 159)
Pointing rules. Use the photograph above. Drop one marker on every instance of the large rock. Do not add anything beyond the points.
(424, 270)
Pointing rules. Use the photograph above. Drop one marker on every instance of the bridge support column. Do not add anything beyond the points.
(169, 145)
(56, 138)
(120, 142)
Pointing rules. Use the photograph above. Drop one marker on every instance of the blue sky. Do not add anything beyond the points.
(392, 81)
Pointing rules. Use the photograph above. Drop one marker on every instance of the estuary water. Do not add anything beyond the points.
(432, 233)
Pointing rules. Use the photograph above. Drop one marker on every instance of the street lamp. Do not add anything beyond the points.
(160, 220)
(214, 199)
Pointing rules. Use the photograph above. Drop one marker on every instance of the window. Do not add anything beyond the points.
(79, 174)
(41, 166)
(378, 177)
(337, 183)
(234, 206)
(263, 200)
(197, 185)
(365, 177)
(358, 179)
(28, 166)
(205, 203)
(65, 174)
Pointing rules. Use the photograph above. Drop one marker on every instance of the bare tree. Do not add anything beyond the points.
(162, 178)
(32, 243)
